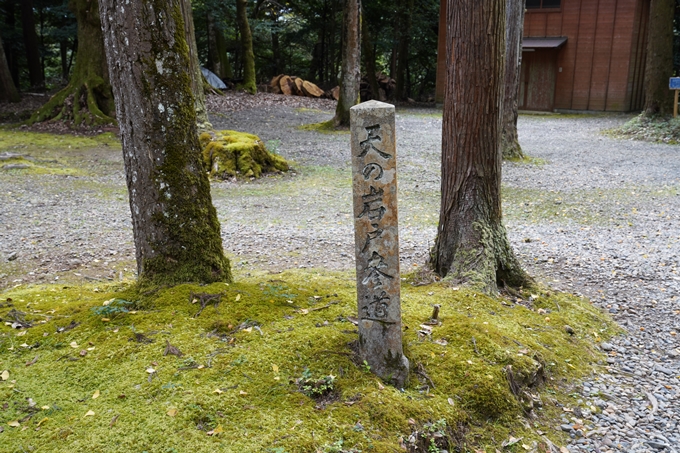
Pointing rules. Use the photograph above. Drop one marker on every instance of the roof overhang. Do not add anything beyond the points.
(543, 43)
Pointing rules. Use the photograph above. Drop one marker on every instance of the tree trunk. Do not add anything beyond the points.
(175, 226)
(249, 83)
(472, 245)
(194, 67)
(35, 70)
(10, 52)
(213, 58)
(659, 66)
(405, 11)
(225, 66)
(87, 99)
(513, 58)
(369, 60)
(350, 77)
(8, 92)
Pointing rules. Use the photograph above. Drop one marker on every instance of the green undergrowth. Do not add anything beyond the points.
(325, 127)
(269, 368)
(19, 141)
(658, 129)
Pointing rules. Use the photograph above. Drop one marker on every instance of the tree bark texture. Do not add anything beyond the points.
(35, 71)
(513, 57)
(8, 92)
(368, 53)
(472, 245)
(249, 82)
(217, 51)
(175, 226)
(350, 77)
(659, 65)
(405, 11)
(87, 99)
(195, 68)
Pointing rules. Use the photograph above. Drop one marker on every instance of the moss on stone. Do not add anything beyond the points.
(241, 361)
(230, 153)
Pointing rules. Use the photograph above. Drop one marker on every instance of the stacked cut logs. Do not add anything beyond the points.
(386, 88)
(295, 86)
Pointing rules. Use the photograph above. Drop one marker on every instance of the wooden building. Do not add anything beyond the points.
(577, 55)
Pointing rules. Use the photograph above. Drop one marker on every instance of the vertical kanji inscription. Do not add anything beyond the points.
(374, 173)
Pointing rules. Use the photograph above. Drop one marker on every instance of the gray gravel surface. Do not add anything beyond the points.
(590, 215)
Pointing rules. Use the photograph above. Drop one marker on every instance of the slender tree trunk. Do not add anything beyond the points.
(405, 10)
(194, 67)
(213, 58)
(659, 66)
(10, 52)
(87, 100)
(8, 92)
(63, 54)
(225, 66)
(175, 226)
(472, 244)
(351, 62)
(369, 60)
(513, 57)
(35, 72)
(249, 82)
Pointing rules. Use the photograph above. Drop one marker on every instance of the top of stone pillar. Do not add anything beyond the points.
(372, 104)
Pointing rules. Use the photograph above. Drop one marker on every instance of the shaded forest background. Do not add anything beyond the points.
(301, 38)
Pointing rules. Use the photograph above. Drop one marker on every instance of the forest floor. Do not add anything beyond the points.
(587, 214)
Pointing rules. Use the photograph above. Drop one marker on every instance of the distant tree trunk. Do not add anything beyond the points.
(217, 51)
(405, 10)
(369, 60)
(63, 54)
(10, 52)
(659, 66)
(175, 226)
(8, 92)
(249, 82)
(225, 66)
(35, 70)
(87, 99)
(350, 77)
(472, 245)
(194, 67)
(513, 57)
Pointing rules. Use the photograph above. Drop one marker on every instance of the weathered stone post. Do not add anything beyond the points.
(376, 239)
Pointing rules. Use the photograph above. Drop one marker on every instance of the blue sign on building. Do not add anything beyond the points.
(674, 83)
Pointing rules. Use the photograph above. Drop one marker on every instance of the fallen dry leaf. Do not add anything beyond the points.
(172, 412)
(564, 450)
(218, 391)
(21, 334)
(238, 297)
(241, 392)
(275, 368)
(14, 424)
(89, 413)
(4, 375)
(95, 395)
(150, 370)
(42, 421)
(74, 345)
(215, 431)
(45, 408)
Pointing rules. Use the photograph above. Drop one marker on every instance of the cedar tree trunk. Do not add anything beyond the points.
(249, 84)
(404, 33)
(175, 226)
(8, 92)
(87, 99)
(472, 245)
(217, 51)
(369, 61)
(350, 77)
(35, 71)
(513, 57)
(195, 68)
(659, 66)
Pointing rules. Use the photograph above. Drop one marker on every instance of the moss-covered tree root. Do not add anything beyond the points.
(230, 153)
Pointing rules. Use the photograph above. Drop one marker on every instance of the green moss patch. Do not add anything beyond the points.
(268, 367)
(652, 129)
(325, 127)
(231, 153)
(18, 141)
(18, 163)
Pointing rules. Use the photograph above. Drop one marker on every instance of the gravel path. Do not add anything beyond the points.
(592, 215)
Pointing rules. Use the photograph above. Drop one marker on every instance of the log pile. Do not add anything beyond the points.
(386, 88)
(295, 86)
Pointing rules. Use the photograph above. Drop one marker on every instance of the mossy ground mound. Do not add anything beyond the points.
(231, 153)
(659, 129)
(91, 374)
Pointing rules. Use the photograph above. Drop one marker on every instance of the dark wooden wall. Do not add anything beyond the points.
(601, 66)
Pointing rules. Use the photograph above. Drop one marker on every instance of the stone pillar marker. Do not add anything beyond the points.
(376, 239)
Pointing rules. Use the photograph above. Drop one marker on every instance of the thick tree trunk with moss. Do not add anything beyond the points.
(350, 77)
(659, 66)
(249, 82)
(513, 56)
(35, 70)
(472, 245)
(175, 226)
(87, 99)
(8, 92)
(195, 68)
